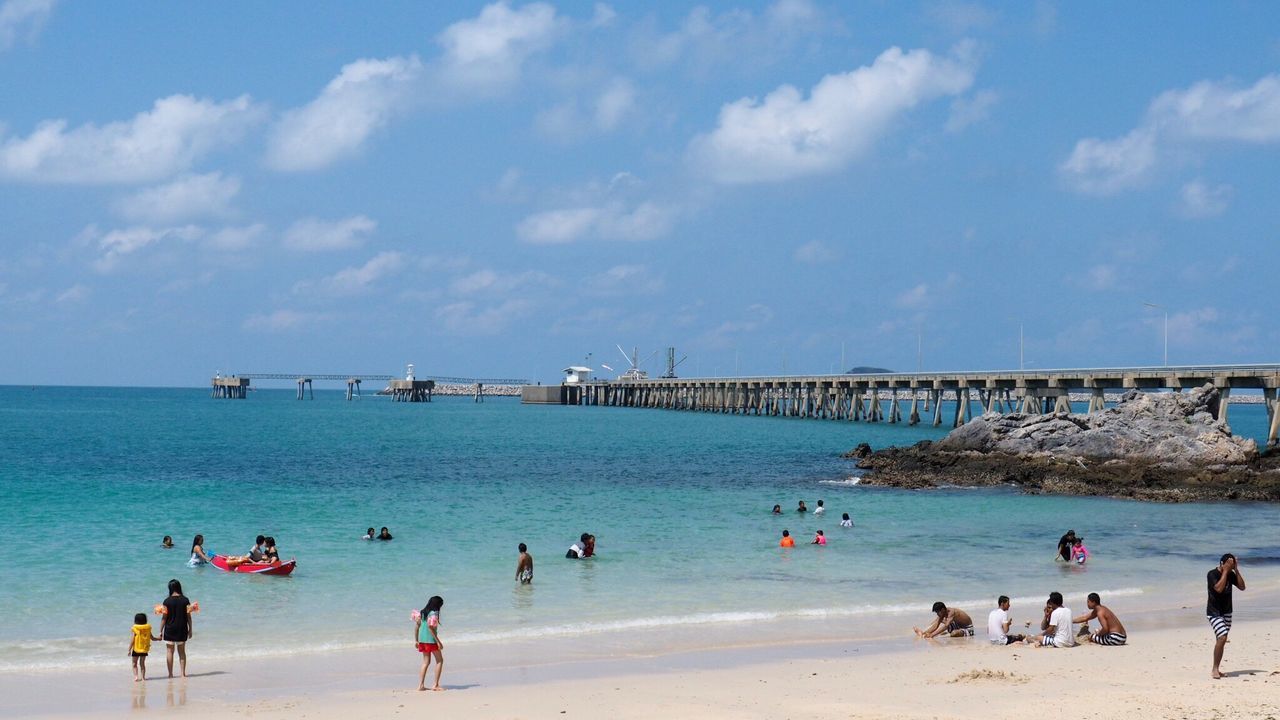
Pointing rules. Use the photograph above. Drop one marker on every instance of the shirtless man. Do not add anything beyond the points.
(1111, 631)
(949, 621)
(524, 566)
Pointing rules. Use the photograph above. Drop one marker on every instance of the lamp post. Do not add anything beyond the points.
(1166, 329)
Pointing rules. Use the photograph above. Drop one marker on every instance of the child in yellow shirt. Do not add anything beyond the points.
(140, 645)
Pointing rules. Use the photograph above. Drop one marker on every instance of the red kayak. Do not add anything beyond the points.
(284, 568)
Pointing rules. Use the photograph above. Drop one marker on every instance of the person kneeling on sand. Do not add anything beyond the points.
(949, 621)
(998, 624)
(1111, 631)
(1056, 625)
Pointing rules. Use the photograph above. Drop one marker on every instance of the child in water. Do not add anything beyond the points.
(845, 521)
(140, 645)
(426, 635)
(1079, 552)
(819, 539)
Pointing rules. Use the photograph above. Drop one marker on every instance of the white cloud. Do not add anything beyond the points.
(787, 135)
(235, 238)
(487, 53)
(315, 235)
(354, 280)
(569, 121)
(1202, 201)
(1205, 112)
(916, 297)
(705, 39)
(815, 252)
(491, 282)
(1102, 277)
(19, 18)
(282, 320)
(966, 111)
(363, 98)
(1105, 167)
(467, 318)
(725, 334)
(959, 17)
(168, 139)
(624, 280)
(73, 294)
(115, 245)
(611, 221)
(188, 197)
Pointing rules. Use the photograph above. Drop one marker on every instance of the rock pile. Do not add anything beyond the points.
(1156, 446)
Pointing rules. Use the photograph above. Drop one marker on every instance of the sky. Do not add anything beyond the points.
(505, 189)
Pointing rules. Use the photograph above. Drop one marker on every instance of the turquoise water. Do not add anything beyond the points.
(93, 478)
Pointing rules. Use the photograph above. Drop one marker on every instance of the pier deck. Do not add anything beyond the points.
(882, 396)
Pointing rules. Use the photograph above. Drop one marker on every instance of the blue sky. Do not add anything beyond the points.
(500, 189)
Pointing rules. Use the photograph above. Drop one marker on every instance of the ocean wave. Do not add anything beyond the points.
(846, 482)
(38, 652)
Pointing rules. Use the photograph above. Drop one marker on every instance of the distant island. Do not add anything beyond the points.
(868, 370)
(1150, 446)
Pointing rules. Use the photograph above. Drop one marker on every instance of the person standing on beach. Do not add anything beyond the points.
(139, 645)
(524, 566)
(1218, 610)
(1111, 631)
(952, 622)
(177, 628)
(426, 635)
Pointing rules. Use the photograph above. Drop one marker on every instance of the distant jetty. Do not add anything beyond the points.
(1150, 446)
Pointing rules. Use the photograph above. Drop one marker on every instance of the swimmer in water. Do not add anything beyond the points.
(803, 508)
(1079, 552)
(845, 521)
(819, 539)
(819, 510)
(787, 541)
(777, 509)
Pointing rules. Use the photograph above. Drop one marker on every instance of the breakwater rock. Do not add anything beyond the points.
(1150, 446)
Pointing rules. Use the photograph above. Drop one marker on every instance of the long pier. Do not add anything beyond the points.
(909, 397)
(407, 389)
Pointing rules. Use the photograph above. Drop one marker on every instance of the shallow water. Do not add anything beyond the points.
(92, 478)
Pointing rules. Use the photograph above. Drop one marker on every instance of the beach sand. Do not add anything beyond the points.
(1163, 674)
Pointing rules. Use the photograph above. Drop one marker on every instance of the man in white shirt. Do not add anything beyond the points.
(998, 623)
(1057, 626)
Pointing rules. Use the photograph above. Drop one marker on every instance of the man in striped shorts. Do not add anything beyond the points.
(1221, 579)
(1111, 632)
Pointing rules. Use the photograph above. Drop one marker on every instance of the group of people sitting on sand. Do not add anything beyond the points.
(384, 534)
(819, 537)
(1057, 628)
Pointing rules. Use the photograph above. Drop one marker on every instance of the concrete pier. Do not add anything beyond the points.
(411, 390)
(230, 387)
(867, 397)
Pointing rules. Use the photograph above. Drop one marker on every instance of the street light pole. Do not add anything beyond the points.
(1166, 329)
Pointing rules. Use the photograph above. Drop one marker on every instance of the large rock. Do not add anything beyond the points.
(1173, 429)
(1152, 446)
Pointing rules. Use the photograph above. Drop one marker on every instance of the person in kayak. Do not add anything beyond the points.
(256, 554)
(270, 551)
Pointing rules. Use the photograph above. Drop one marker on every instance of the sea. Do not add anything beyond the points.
(91, 479)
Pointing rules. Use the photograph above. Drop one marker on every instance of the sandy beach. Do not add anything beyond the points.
(1164, 673)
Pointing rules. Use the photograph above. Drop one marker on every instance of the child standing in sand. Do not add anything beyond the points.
(426, 635)
(140, 645)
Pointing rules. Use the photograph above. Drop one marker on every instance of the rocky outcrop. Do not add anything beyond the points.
(1155, 446)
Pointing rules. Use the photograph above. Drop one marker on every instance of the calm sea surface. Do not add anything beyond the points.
(92, 478)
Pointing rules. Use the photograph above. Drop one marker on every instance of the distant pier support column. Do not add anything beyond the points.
(353, 388)
(230, 387)
(304, 385)
(936, 396)
(1273, 415)
(1224, 398)
(913, 418)
(411, 390)
(480, 393)
(1097, 400)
